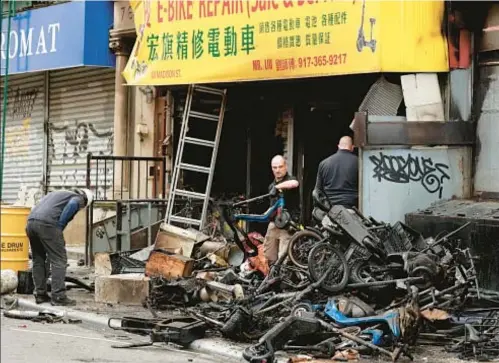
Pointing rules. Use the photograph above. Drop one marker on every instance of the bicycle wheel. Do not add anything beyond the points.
(320, 259)
(363, 271)
(260, 352)
(301, 308)
(300, 245)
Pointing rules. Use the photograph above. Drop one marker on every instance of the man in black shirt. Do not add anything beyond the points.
(338, 176)
(276, 240)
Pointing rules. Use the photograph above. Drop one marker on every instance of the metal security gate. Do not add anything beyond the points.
(81, 115)
(486, 105)
(487, 162)
(24, 139)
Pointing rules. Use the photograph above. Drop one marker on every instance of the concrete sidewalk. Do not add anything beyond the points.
(209, 346)
(75, 252)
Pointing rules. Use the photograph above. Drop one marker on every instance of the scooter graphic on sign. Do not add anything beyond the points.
(361, 39)
(142, 28)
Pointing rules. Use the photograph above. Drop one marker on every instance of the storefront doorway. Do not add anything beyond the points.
(252, 134)
(321, 120)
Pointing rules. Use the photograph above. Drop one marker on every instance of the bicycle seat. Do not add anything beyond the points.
(321, 200)
(318, 215)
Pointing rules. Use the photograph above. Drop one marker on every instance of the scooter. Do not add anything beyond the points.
(361, 39)
(345, 228)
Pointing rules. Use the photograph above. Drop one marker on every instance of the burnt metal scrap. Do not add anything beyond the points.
(39, 316)
(480, 340)
(347, 285)
(176, 330)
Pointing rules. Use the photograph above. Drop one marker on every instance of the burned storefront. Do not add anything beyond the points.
(292, 80)
(295, 77)
(300, 119)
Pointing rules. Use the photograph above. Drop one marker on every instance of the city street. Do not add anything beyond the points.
(24, 341)
(257, 181)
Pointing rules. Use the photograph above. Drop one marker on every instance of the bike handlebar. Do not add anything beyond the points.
(247, 201)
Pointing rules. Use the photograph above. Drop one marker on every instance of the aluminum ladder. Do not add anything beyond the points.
(180, 165)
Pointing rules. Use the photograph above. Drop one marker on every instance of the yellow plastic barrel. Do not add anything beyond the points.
(15, 244)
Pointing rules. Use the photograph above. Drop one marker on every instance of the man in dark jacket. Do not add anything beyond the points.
(277, 240)
(338, 177)
(46, 222)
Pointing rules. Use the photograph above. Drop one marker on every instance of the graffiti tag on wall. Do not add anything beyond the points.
(29, 197)
(17, 135)
(23, 139)
(78, 139)
(404, 169)
(24, 102)
(70, 144)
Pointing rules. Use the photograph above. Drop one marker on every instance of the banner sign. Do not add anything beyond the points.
(205, 41)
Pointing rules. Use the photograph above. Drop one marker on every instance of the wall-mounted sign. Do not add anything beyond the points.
(181, 42)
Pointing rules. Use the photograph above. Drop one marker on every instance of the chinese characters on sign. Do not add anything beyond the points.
(200, 41)
(253, 37)
(311, 22)
(226, 42)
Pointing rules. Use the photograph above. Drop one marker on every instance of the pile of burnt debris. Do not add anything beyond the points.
(349, 287)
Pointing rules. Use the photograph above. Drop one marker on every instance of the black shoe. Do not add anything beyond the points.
(63, 301)
(43, 298)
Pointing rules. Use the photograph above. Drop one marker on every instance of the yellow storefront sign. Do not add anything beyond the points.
(207, 41)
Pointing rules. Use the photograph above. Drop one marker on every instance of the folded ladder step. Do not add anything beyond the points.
(197, 168)
(201, 142)
(185, 220)
(213, 91)
(204, 116)
(189, 194)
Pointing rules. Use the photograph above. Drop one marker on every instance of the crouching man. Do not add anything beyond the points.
(46, 222)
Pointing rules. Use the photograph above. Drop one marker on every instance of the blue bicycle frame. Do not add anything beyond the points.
(260, 218)
(277, 207)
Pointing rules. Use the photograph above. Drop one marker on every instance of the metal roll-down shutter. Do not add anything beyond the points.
(24, 139)
(81, 114)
